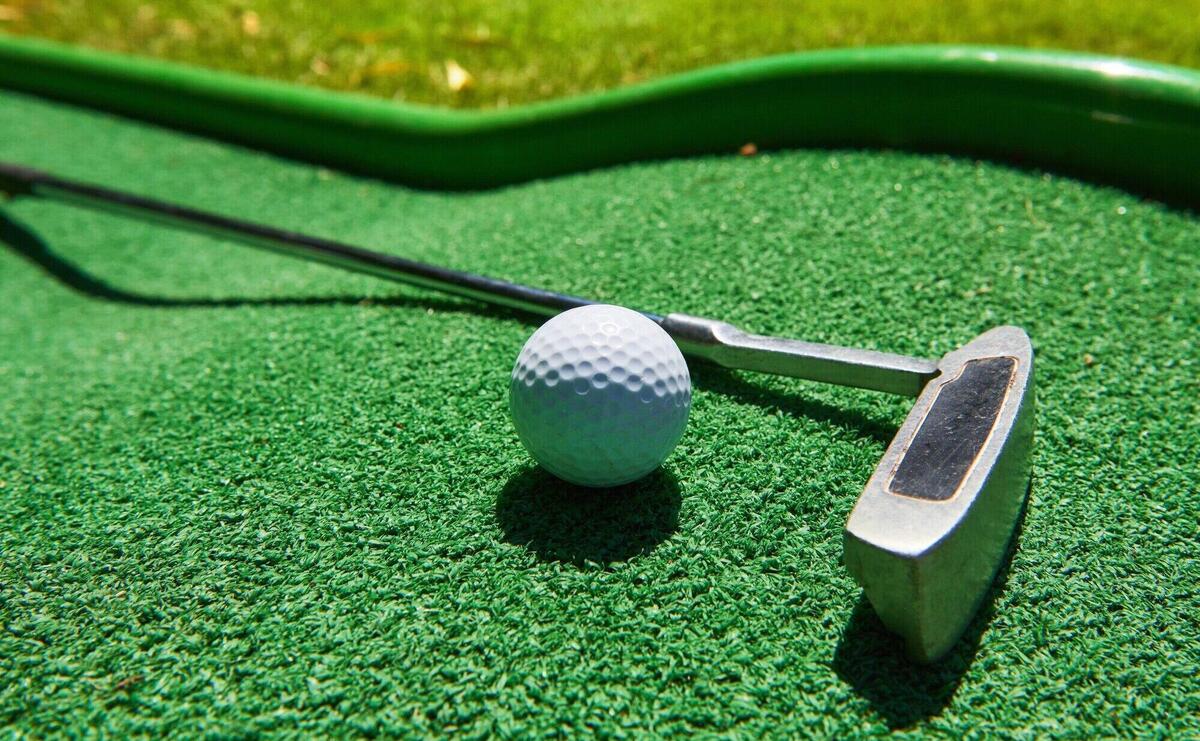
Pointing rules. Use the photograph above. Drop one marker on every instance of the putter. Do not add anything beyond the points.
(932, 526)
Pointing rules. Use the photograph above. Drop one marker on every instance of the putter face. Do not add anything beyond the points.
(932, 526)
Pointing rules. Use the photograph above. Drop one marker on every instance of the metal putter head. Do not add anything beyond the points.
(930, 530)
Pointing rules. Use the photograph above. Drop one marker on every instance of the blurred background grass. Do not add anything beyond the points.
(488, 53)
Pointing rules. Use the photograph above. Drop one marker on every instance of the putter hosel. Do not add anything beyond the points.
(726, 345)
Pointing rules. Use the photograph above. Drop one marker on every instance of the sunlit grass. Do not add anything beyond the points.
(514, 52)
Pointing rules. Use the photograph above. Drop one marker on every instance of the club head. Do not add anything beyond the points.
(932, 526)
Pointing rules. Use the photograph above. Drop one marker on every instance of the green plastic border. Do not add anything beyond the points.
(1131, 123)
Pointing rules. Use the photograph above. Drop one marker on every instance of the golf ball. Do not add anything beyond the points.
(600, 395)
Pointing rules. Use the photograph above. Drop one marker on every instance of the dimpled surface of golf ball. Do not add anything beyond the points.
(600, 395)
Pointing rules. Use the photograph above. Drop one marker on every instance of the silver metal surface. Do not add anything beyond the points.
(726, 345)
(926, 565)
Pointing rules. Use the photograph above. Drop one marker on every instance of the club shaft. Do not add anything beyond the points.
(295, 244)
(709, 339)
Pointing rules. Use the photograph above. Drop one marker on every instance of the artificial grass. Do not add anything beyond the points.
(522, 51)
(243, 493)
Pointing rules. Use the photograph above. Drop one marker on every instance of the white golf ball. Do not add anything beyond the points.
(600, 395)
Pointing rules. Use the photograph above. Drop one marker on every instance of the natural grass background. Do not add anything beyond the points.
(517, 52)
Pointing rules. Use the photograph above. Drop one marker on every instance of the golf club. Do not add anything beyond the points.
(931, 528)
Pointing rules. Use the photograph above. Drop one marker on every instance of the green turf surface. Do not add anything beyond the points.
(518, 51)
(243, 493)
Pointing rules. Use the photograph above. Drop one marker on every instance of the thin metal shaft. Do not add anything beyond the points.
(295, 244)
(709, 339)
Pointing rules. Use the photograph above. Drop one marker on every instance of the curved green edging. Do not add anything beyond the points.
(1132, 123)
